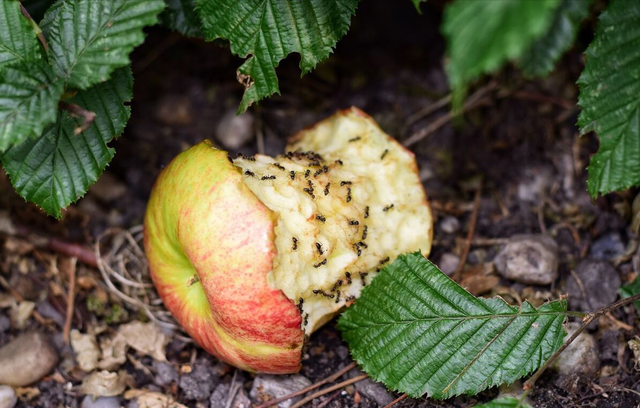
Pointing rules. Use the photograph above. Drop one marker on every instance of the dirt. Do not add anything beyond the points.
(521, 142)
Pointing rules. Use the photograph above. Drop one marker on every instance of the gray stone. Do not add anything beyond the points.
(165, 373)
(581, 358)
(219, 396)
(26, 359)
(374, 391)
(8, 398)
(100, 402)
(600, 282)
(448, 263)
(342, 352)
(531, 259)
(607, 246)
(450, 225)
(198, 384)
(266, 387)
(234, 131)
(5, 323)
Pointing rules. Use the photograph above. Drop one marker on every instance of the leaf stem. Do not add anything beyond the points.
(586, 321)
(77, 110)
(36, 28)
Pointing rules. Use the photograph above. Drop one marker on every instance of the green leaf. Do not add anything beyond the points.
(18, 41)
(483, 35)
(180, 15)
(91, 38)
(543, 54)
(57, 168)
(416, 4)
(29, 94)
(506, 402)
(631, 289)
(266, 31)
(418, 332)
(610, 98)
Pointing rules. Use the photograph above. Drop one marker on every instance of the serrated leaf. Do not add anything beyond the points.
(266, 31)
(89, 39)
(631, 289)
(29, 94)
(483, 35)
(505, 402)
(18, 41)
(543, 54)
(57, 168)
(419, 332)
(180, 15)
(610, 98)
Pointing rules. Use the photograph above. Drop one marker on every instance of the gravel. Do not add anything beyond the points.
(26, 359)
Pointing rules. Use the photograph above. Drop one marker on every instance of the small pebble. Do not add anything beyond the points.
(26, 359)
(581, 358)
(100, 402)
(200, 382)
(599, 280)
(165, 373)
(607, 246)
(267, 387)
(5, 323)
(531, 259)
(234, 131)
(448, 263)
(8, 397)
(375, 391)
(450, 225)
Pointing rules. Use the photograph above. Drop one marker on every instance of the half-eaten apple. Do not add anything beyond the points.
(252, 255)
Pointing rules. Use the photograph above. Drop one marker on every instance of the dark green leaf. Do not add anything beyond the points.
(542, 55)
(416, 4)
(91, 38)
(506, 402)
(418, 332)
(180, 15)
(57, 168)
(483, 35)
(631, 289)
(18, 41)
(29, 94)
(610, 98)
(266, 31)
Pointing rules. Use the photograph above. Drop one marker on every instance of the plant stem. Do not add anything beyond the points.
(76, 110)
(586, 321)
(36, 28)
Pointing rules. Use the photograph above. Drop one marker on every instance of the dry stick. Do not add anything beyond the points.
(329, 389)
(36, 28)
(586, 321)
(395, 401)
(329, 379)
(473, 101)
(427, 110)
(18, 297)
(472, 228)
(328, 400)
(79, 111)
(71, 299)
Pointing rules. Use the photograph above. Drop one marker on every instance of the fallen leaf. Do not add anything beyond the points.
(86, 348)
(149, 399)
(20, 314)
(145, 338)
(114, 352)
(104, 384)
(634, 345)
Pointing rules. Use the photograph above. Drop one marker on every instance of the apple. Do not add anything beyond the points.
(252, 255)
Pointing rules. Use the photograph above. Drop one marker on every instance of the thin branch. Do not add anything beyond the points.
(427, 110)
(79, 111)
(329, 389)
(472, 228)
(586, 321)
(312, 387)
(71, 299)
(473, 101)
(395, 401)
(36, 28)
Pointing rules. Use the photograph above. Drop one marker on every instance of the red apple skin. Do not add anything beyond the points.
(203, 220)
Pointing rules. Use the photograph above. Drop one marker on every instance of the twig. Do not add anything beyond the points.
(235, 387)
(395, 401)
(305, 390)
(427, 110)
(472, 228)
(328, 400)
(473, 101)
(71, 299)
(18, 297)
(329, 389)
(79, 111)
(36, 28)
(586, 321)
